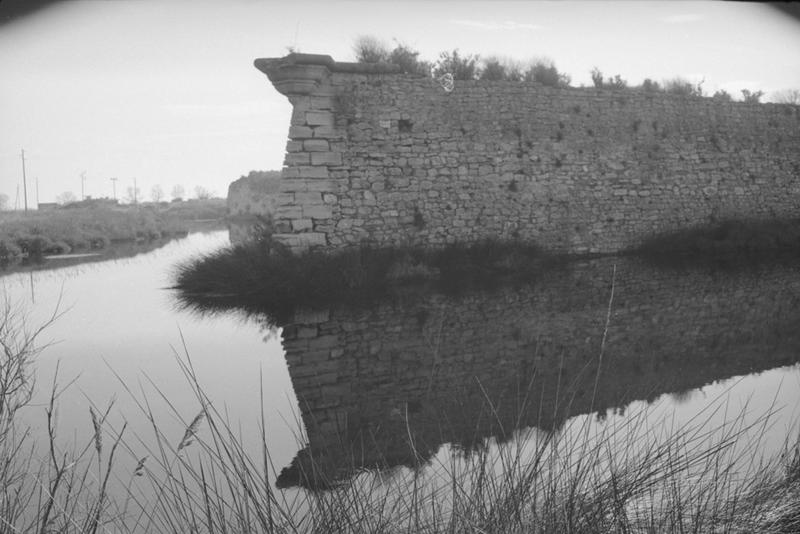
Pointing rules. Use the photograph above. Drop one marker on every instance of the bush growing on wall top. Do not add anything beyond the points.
(369, 49)
(495, 70)
(722, 95)
(461, 67)
(751, 97)
(408, 60)
(650, 86)
(615, 82)
(681, 86)
(546, 73)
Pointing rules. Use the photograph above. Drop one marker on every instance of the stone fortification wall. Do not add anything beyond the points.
(378, 156)
(425, 368)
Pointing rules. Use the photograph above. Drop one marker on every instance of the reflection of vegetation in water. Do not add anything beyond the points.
(731, 240)
(113, 252)
(208, 481)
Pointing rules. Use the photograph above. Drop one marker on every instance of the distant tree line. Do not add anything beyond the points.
(133, 195)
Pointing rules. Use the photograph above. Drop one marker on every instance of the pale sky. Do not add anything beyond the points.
(165, 91)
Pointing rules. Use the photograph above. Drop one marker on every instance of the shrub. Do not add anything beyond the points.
(408, 59)
(597, 77)
(546, 73)
(650, 86)
(493, 70)
(35, 245)
(752, 97)
(460, 67)
(617, 82)
(497, 69)
(9, 249)
(723, 96)
(681, 86)
(369, 49)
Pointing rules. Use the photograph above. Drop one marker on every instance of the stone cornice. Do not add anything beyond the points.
(301, 74)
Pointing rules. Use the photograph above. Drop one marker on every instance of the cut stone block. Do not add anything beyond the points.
(301, 225)
(309, 316)
(305, 199)
(288, 212)
(317, 212)
(316, 145)
(300, 132)
(326, 158)
(296, 158)
(319, 118)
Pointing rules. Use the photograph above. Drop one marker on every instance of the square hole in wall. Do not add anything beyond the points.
(404, 125)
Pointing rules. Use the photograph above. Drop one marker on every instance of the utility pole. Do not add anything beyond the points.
(114, 187)
(83, 179)
(24, 182)
(37, 192)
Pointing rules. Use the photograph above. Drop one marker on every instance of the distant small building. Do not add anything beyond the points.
(46, 206)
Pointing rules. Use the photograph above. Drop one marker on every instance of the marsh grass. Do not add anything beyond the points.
(583, 478)
(620, 476)
(265, 278)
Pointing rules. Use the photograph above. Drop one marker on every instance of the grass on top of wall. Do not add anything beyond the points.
(735, 240)
(266, 278)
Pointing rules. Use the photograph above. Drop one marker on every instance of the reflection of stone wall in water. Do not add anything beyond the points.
(389, 158)
(434, 361)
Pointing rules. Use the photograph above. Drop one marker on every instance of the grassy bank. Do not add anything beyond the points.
(206, 481)
(87, 226)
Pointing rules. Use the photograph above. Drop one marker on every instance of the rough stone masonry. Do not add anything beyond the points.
(381, 157)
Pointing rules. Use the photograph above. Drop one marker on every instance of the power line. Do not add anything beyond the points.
(24, 182)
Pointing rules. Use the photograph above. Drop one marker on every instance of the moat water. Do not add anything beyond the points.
(609, 343)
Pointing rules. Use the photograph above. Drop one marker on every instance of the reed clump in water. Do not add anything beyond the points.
(266, 278)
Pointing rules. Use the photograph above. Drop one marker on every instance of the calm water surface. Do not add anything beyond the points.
(444, 372)
(118, 319)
